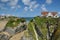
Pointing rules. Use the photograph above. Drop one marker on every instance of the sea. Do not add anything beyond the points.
(28, 18)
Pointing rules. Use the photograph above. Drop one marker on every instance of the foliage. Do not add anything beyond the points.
(42, 25)
(13, 22)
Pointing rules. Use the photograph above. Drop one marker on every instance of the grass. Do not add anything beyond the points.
(14, 22)
(31, 31)
(41, 23)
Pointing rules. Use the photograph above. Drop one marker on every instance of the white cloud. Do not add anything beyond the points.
(2, 7)
(13, 2)
(18, 6)
(8, 15)
(43, 8)
(31, 4)
(3, 14)
(48, 1)
(12, 7)
(31, 10)
(4, 0)
(26, 8)
(58, 12)
(26, 2)
(37, 5)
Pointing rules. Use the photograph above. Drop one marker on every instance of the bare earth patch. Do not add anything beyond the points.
(3, 24)
(17, 36)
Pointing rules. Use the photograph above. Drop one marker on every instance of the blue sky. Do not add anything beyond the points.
(28, 8)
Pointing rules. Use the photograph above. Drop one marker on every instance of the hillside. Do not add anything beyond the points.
(11, 25)
(45, 27)
(38, 28)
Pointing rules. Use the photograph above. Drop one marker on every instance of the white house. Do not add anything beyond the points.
(50, 14)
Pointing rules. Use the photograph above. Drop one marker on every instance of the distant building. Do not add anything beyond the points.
(1, 17)
(50, 14)
(54, 14)
(44, 13)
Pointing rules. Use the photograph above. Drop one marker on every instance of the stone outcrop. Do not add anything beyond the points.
(2, 25)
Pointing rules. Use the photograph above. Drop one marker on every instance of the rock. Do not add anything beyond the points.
(4, 37)
(10, 30)
(26, 38)
(2, 25)
(20, 29)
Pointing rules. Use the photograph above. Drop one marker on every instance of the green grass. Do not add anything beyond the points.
(14, 22)
(31, 31)
(41, 23)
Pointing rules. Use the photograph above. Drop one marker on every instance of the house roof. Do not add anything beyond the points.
(53, 13)
(44, 13)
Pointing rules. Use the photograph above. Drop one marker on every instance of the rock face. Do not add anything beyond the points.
(2, 25)
(4, 36)
(20, 29)
(13, 31)
(10, 30)
(17, 36)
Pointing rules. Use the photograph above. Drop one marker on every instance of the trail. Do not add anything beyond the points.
(35, 33)
(17, 36)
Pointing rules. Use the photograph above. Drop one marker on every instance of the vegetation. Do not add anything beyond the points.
(14, 21)
(39, 28)
(31, 30)
(47, 27)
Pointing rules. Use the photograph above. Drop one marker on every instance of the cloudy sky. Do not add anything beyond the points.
(28, 8)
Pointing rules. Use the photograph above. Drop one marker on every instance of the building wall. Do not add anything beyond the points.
(51, 14)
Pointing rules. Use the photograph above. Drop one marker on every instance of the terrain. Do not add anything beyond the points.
(38, 28)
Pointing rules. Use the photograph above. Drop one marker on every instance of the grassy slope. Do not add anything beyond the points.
(41, 22)
(31, 31)
(14, 21)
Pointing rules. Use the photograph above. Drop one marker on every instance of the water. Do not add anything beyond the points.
(28, 18)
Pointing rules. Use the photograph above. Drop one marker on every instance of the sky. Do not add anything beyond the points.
(28, 8)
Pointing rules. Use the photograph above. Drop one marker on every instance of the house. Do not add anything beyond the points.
(50, 14)
(54, 14)
(2, 17)
(44, 13)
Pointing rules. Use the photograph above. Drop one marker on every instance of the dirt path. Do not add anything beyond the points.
(17, 36)
(35, 33)
(3, 24)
